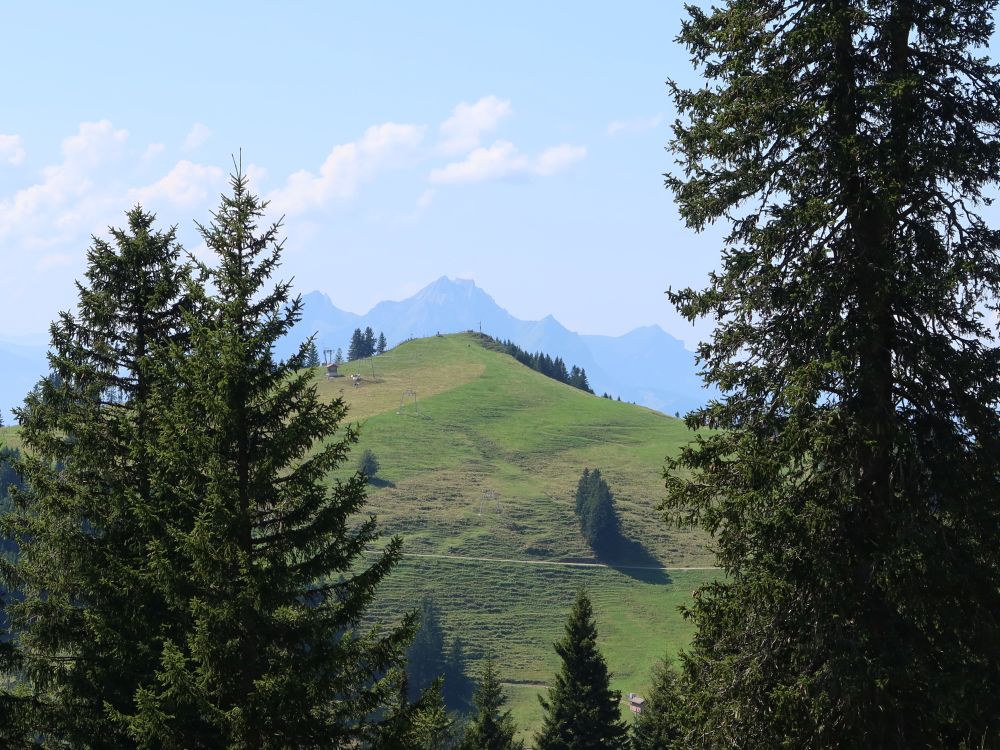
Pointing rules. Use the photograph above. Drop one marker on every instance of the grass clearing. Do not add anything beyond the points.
(486, 465)
(487, 423)
(10, 437)
(517, 612)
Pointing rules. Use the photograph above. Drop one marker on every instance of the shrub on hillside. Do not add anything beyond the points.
(368, 464)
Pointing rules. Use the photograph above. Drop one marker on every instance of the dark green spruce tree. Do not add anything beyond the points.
(368, 342)
(660, 725)
(431, 728)
(15, 702)
(582, 712)
(852, 475)
(595, 507)
(382, 344)
(491, 727)
(356, 348)
(312, 354)
(457, 688)
(262, 571)
(425, 654)
(87, 627)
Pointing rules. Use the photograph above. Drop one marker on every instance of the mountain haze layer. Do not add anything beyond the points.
(646, 365)
(21, 367)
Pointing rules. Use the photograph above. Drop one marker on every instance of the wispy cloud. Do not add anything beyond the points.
(382, 148)
(635, 125)
(65, 196)
(196, 136)
(152, 151)
(425, 199)
(187, 184)
(503, 159)
(467, 124)
(12, 149)
(558, 158)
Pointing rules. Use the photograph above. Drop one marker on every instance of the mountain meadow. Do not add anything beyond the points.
(479, 461)
(486, 533)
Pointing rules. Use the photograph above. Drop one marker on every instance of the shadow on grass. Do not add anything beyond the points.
(630, 557)
(377, 482)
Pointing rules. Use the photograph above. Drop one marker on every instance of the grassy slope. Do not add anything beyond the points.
(9, 437)
(484, 422)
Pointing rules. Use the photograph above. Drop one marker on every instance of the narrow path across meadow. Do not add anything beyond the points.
(545, 562)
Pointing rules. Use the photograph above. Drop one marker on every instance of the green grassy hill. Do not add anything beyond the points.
(480, 457)
(483, 463)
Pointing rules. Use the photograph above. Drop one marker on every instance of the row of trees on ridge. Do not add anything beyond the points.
(545, 364)
(364, 344)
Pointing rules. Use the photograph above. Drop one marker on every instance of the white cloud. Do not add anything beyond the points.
(65, 196)
(187, 184)
(255, 176)
(196, 136)
(503, 159)
(558, 158)
(381, 148)
(11, 149)
(635, 125)
(93, 144)
(152, 151)
(468, 122)
(499, 160)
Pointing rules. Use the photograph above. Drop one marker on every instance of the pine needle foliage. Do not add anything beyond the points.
(425, 663)
(263, 570)
(852, 482)
(491, 727)
(595, 507)
(660, 725)
(86, 627)
(582, 712)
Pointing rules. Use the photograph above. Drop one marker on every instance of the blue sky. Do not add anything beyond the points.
(520, 144)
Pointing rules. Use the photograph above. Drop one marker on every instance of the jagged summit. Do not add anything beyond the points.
(645, 365)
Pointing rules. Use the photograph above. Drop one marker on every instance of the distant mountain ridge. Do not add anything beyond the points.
(646, 365)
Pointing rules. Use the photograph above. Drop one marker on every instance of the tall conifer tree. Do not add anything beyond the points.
(15, 706)
(582, 712)
(457, 688)
(425, 657)
(88, 624)
(852, 485)
(491, 727)
(595, 507)
(263, 576)
(660, 725)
